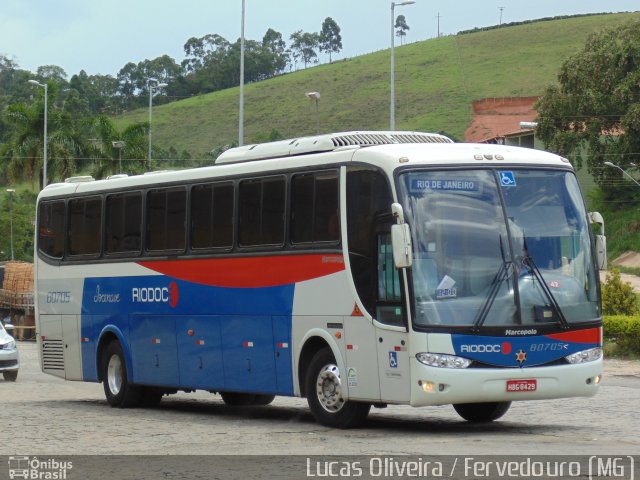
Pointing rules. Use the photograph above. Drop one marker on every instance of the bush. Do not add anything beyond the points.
(624, 333)
(618, 297)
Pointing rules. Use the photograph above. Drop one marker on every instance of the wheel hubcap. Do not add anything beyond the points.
(114, 374)
(329, 389)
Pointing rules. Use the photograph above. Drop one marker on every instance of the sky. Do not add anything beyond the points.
(100, 36)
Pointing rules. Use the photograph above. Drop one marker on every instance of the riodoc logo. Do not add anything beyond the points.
(504, 348)
(169, 294)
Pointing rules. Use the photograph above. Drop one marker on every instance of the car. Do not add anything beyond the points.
(9, 357)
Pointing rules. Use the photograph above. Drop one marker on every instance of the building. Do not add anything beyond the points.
(500, 120)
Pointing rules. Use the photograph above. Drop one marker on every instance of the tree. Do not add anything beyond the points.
(24, 150)
(52, 73)
(401, 27)
(99, 93)
(330, 39)
(595, 109)
(133, 151)
(304, 45)
(16, 213)
(273, 41)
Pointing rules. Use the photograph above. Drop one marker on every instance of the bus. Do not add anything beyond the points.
(355, 269)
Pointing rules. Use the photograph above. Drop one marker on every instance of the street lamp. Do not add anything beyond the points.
(11, 192)
(241, 118)
(609, 164)
(119, 145)
(46, 105)
(392, 120)
(151, 86)
(315, 96)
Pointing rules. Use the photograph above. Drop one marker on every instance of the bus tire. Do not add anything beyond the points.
(481, 412)
(325, 397)
(117, 389)
(263, 399)
(234, 399)
(10, 375)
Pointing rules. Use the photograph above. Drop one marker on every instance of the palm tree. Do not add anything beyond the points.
(24, 151)
(133, 149)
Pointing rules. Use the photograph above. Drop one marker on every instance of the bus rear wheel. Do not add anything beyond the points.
(263, 399)
(325, 394)
(233, 399)
(117, 389)
(482, 412)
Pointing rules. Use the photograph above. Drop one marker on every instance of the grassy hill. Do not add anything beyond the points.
(436, 81)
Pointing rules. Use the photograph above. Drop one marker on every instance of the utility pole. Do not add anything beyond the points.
(438, 17)
(501, 9)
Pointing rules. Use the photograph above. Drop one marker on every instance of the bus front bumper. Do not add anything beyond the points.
(441, 386)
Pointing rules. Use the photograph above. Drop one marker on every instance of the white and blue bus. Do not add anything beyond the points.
(353, 269)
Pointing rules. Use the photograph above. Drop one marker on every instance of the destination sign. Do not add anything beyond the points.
(447, 185)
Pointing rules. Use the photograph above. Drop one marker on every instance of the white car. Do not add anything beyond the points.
(9, 357)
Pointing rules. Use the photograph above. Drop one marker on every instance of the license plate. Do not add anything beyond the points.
(522, 385)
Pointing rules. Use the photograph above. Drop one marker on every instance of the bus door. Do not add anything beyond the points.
(390, 324)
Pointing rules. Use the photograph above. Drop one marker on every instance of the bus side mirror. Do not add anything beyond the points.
(600, 239)
(401, 239)
(601, 251)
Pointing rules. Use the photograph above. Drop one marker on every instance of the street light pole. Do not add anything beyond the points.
(609, 164)
(46, 109)
(150, 86)
(315, 96)
(241, 119)
(11, 192)
(392, 108)
(119, 145)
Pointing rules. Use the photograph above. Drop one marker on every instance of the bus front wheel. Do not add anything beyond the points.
(117, 389)
(325, 394)
(482, 412)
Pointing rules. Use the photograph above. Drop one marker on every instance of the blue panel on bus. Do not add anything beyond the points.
(200, 352)
(249, 354)
(284, 360)
(158, 308)
(154, 350)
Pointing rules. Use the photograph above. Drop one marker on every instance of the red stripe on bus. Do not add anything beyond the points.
(590, 335)
(249, 272)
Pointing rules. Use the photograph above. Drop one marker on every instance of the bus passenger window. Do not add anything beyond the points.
(166, 217)
(123, 223)
(212, 216)
(85, 220)
(261, 212)
(51, 228)
(314, 207)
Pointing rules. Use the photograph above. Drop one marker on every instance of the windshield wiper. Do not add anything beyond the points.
(528, 261)
(501, 275)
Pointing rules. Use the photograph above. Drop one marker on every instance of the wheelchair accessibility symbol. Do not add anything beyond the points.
(393, 359)
(507, 179)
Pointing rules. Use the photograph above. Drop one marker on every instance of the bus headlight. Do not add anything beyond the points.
(585, 356)
(442, 360)
(11, 345)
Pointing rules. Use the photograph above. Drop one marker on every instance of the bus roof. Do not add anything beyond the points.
(386, 150)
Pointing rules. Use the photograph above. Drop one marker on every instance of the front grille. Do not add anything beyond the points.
(559, 361)
(8, 363)
(52, 355)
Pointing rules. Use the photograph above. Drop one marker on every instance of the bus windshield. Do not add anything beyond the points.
(499, 248)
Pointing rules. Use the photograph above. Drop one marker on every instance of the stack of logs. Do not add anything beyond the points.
(16, 295)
